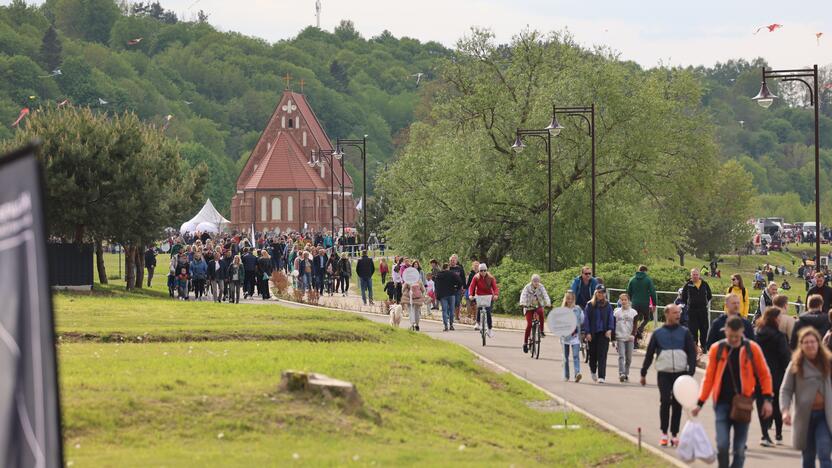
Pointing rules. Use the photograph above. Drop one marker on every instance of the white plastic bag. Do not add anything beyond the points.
(695, 444)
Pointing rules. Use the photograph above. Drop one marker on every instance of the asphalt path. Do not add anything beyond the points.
(626, 406)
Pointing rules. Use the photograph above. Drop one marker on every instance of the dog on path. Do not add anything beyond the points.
(395, 315)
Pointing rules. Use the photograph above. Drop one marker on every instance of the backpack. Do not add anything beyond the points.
(415, 292)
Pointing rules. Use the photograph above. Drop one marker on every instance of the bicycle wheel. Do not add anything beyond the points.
(536, 338)
(483, 326)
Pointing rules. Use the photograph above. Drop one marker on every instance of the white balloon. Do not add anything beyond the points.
(411, 276)
(686, 391)
(562, 321)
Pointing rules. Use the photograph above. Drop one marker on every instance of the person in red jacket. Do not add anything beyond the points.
(484, 284)
(736, 366)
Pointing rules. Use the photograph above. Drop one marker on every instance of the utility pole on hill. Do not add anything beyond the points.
(318, 13)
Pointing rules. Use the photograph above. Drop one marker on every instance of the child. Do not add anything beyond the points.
(572, 342)
(390, 289)
(624, 336)
(432, 292)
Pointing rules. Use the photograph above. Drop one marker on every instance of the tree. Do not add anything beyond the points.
(94, 164)
(50, 49)
(90, 20)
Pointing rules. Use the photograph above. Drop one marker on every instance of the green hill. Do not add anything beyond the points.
(220, 87)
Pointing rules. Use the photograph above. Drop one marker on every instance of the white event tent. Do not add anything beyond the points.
(207, 220)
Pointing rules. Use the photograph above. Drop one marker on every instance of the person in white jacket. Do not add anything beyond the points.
(534, 298)
(624, 336)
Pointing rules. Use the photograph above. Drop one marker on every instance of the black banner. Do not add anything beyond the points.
(30, 434)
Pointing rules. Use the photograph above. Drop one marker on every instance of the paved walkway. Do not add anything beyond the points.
(627, 406)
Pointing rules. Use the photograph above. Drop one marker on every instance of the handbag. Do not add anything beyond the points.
(741, 405)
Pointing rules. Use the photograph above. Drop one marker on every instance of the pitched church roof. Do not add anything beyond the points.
(279, 159)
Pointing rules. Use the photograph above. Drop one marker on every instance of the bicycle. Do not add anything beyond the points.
(534, 336)
(483, 302)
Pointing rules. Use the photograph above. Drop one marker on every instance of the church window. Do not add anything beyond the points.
(276, 208)
(263, 206)
(290, 208)
(291, 124)
(283, 122)
(304, 139)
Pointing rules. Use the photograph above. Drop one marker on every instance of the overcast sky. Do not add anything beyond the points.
(647, 31)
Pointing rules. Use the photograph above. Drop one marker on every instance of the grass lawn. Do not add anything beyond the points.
(201, 389)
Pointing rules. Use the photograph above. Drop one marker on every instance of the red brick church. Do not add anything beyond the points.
(277, 188)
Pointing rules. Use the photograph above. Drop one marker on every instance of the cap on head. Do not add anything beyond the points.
(600, 288)
(483, 267)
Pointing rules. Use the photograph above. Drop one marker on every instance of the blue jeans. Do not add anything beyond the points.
(366, 284)
(818, 442)
(448, 304)
(723, 437)
(306, 281)
(576, 359)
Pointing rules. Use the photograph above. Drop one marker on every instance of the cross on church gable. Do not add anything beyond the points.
(289, 107)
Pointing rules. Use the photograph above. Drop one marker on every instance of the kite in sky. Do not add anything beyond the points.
(134, 41)
(817, 36)
(63, 103)
(23, 113)
(770, 27)
(102, 102)
(168, 118)
(418, 77)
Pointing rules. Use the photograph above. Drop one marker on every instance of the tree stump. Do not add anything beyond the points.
(314, 384)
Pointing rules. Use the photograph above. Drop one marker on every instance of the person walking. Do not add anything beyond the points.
(807, 384)
(717, 329)
(598, 326)
(696, 295)
(674, 349)
(584, 287)
(236, 276)
(736, 366)
(533, 298)
(199, 272)
(319, 263)
(447, 283)
(413, 296)
(264, 274)
(814, 317)
(365, 268)
(642, 294)
(249, 262)
(776, 351)
(821, 288)
(737, 287)
(150, 263)
(766, 301)
(345, 273)
(625, 330)
(216, 275)
(571, 344)
(457, 269)
(383, 270)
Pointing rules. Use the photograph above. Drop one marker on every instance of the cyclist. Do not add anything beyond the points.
(484, 284)
(533, 298)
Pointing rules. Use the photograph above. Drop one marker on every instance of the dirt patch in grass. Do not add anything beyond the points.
(545, 406)
(203, 336)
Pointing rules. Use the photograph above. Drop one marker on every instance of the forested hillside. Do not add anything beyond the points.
(220, 88)
(775, 145)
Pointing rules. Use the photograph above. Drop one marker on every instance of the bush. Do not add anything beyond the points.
(512, 276)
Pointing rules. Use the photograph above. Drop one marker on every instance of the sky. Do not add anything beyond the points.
(650, 32)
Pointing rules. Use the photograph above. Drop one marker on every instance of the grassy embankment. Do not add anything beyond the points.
(149, 381)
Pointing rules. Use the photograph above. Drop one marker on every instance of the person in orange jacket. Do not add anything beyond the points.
(735, 366)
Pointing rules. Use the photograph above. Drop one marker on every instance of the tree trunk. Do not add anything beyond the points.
(99, 262)
(682, 258)
(130, 266)
(139, 267)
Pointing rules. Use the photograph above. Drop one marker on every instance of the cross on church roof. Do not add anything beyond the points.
(301, 85)
(287, 79)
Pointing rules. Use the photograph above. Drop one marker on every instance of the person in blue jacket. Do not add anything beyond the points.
(584, 286)
(599, 323)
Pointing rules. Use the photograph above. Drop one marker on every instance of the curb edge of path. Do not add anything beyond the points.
(597, 420)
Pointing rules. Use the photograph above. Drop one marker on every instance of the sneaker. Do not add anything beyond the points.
(601, 380)
(766, 442)
(477, 327)
(626, 378)
(674, 442)
(417, 327)
(542, 335)
(490, 333)
(526, 350)
(445, 329)
(778, 439)
(663, 440)
(621, 378)
(452, 327)
(594, 377)
(578, 377)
